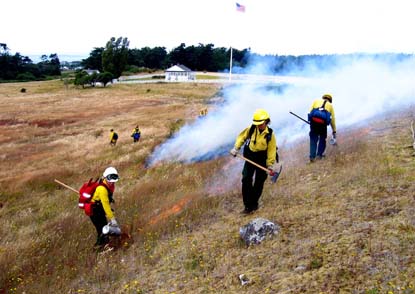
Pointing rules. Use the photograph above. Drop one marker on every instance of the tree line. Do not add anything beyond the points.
(117, 58)
(18, 67)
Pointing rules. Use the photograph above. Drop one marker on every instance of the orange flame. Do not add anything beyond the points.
(175, 209)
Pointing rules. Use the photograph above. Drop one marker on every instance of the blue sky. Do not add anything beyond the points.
(267, 27)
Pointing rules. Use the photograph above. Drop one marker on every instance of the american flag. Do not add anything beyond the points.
(240, 8)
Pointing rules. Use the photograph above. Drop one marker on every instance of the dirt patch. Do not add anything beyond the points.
(47, 123)
(10, 122)
(42, 123)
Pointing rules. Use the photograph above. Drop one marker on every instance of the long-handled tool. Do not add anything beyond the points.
(307, 122)
(66, 186)
(332, 141)
(274, 175)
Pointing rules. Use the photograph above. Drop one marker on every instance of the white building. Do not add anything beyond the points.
(179, 73)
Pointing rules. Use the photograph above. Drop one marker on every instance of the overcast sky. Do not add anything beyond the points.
(267, 26)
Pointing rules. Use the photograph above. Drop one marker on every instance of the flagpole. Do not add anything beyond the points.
(239, 8)
(230, 67)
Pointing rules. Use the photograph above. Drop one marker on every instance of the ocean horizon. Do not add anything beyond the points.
(62, 57)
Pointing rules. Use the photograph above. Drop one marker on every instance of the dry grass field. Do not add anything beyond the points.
(347, 222)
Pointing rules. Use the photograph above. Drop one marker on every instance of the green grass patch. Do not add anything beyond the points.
(207, 77)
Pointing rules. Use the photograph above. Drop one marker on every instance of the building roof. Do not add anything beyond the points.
(179, 67)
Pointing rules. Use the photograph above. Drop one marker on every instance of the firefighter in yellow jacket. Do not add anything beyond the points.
(318, 126)
(113, 137)
(136, 134)
(102, 213)
(260, 147)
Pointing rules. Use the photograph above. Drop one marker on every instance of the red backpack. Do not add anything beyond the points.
(87, 192)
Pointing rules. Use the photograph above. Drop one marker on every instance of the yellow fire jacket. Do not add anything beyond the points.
(112, 136)
(101, 194)
(136, 130)
(258, 142)
(329, 107)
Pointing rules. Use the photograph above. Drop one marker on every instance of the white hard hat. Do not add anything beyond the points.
(111, 174)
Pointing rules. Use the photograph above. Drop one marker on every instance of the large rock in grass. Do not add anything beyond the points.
(257, 230)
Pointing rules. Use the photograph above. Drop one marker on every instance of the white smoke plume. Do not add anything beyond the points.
(361, 88)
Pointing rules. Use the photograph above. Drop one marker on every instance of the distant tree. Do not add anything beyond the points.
(204, 56)
(220, 59)
(146, 57)
(145, 52)
(93, 79)
(155, 58)
(13, 65)
(49, 65)
(135, 57)
(18, 67)
(6, 72)
(240, 57)
(54, 63)
(201, 57)
(179, 55)
(82, 78)
(32, 68)
(191, 58)
(115, 56)
(3, 48)
(104, 78)
(94, 61)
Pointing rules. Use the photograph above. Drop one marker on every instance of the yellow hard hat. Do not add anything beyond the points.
(260, 116)
(328, 97)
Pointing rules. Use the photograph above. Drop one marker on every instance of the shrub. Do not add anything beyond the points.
(105, 78)
(26, 76)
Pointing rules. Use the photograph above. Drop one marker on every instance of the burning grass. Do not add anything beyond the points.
(347, 222)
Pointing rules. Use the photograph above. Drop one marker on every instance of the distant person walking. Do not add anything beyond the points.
(113, 137)
(260, 146)
(136, 134)
(101, 207)
(320, 116)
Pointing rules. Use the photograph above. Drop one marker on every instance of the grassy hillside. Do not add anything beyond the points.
(347, 222)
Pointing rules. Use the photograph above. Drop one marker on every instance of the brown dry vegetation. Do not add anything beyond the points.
(347, 222)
